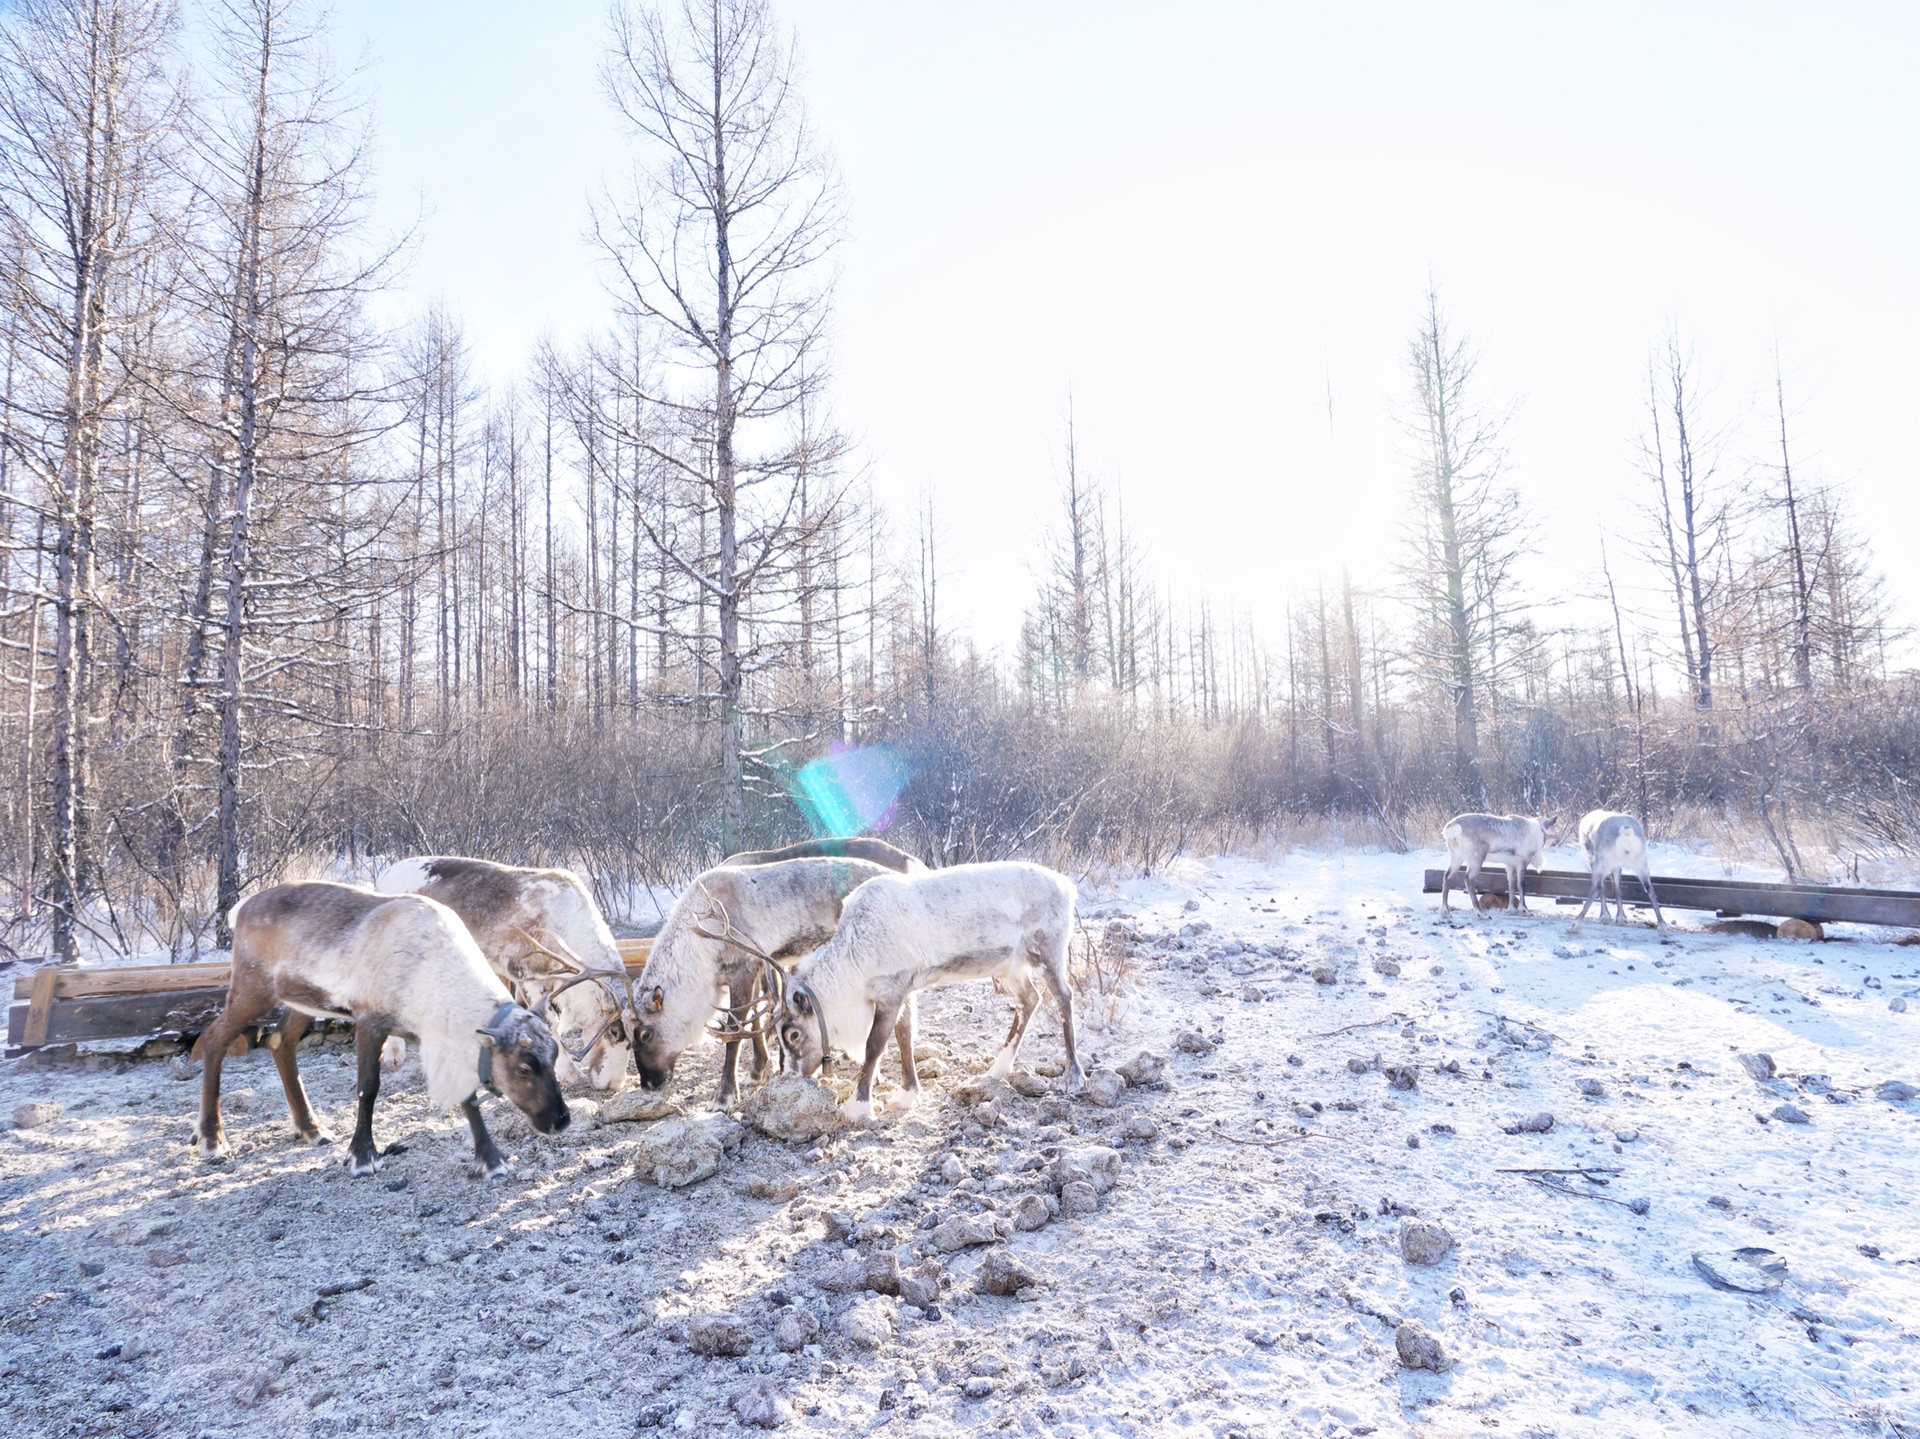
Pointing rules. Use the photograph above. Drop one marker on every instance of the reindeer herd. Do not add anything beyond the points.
(1615, 843)
(511, 983)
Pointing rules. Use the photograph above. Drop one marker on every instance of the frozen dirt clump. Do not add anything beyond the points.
(36, 1113)
(760, 1406)
(1092, 1164)
(868, 1324)
(792, 1107)
(1004, 1273)
(1533, 1124)
(1144, 1068)
(1423, 1243)
(920, 1285)
(678, 1152)
(633, 1105)
(794, 1330)
(1419, 1349)
(1078, 1198)
(963, 1231)
(719, 1335)
(1105, 1088)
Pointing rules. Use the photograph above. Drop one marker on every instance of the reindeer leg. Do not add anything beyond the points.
(1659, 919)
(305, 1127)
(860, 1107)
(1596, 890)
(1026, 998)
(247, 1001)
(369, 1038)
(909, 1092)
(1054, 971)
(758, 1049)
(1475, 858)
(729, 1055)
(488, 1163)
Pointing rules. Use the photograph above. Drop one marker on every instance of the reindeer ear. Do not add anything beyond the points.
(656, 1000)
(802, 1001)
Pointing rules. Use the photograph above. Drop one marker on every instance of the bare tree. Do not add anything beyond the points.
(1466, 532)
(276, 281)
(722, 241)
(86, 107)
(1688, 516)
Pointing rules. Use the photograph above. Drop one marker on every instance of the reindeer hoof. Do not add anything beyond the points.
(480, 1169)
(361, 1165)
(218, 1152)
(316, 1137)
(1076, 1081)
(857, 1111)
(901, 1100)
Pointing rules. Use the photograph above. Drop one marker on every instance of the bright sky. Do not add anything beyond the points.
(1199, 217)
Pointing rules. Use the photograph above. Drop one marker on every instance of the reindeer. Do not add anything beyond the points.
(900, 934)
(733, 926)
(542, 932)
(394, 964)
(1511, 841)
(1616, 842)
(874, 851)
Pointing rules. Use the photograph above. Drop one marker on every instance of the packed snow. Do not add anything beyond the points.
(1263, 1236)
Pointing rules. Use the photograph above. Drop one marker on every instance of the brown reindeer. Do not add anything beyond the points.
(394, 965)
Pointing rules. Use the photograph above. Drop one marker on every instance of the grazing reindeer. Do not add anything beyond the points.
(728, 926)
(1616, 842)
(394, 964)
(874, 851)
(900, 934)
(541, 931)
(1511, 841)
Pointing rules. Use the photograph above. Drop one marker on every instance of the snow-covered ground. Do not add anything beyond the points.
(1244, 1275)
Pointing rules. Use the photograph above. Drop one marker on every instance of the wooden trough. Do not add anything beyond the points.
(1728, 898)
(67, 1004)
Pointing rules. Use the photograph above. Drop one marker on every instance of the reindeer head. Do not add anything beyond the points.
(654, 1051)
(1553, 829)
(595, 1000)
(680, 987)
(523, 1052)
(803, 1030)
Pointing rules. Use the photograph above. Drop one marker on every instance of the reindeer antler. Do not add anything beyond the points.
(625, 1007)
(753, 1017)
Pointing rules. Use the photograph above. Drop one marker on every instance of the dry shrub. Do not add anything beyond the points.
(1101, 969)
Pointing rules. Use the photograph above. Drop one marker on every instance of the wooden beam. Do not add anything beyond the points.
(1729, 898)
(68, 1004)
(39, 1007)
(118, 1016)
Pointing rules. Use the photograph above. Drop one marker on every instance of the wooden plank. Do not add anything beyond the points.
(40, 1006)
(135, 1000)
(1728, 898)
(140, 979)
(120, 1016)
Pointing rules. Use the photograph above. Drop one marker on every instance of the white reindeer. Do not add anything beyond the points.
(393, 964)
(903, 933)
(1616, 842)
(542, 932)
(1511, 842)
(729, 926)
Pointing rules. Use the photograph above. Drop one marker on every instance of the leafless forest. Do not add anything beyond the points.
(283, 584)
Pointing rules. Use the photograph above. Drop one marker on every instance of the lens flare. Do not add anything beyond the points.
(849, 790)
